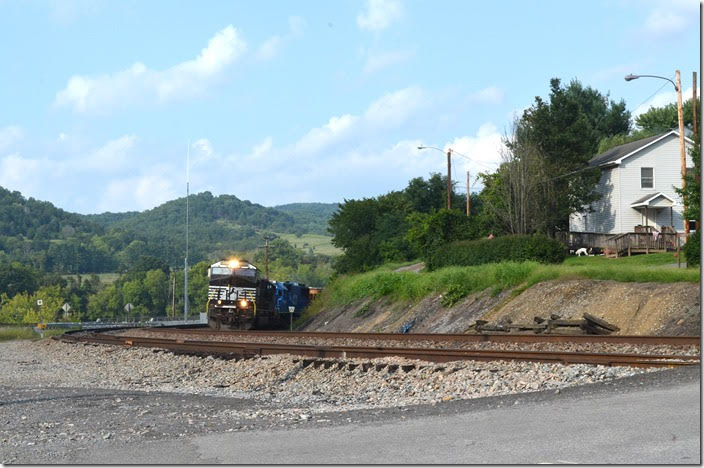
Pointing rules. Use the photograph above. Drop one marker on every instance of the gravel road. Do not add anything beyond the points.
(60, 400)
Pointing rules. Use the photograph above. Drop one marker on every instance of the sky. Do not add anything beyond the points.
(113, 105)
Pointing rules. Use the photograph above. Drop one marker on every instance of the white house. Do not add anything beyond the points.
(637, 184)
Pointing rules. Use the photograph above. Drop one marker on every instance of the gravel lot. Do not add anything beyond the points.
(60, 398)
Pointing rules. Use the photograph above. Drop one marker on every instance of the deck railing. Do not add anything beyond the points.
(621, 243)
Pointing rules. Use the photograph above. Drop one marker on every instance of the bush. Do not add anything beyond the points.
(692, 249)
(537, 248)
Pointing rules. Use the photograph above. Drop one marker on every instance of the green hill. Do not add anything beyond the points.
(311, 217)
(51, 239)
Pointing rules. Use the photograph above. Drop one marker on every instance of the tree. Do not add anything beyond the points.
(545, 175)
(661, 119)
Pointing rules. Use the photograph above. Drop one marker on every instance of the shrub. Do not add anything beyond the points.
(692, 249)
(516, 248)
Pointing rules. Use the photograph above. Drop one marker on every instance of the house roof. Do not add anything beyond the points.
(617, 153)
(645, 201)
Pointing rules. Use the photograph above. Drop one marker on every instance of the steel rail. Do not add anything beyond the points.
(491, 337)
(244, 349)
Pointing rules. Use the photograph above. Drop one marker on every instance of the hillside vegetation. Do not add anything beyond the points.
(50, 239)
(455, 283)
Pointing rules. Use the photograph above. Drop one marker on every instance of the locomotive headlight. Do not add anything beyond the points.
(234, 264)
(243, 303)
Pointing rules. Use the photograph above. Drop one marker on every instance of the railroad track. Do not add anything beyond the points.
(234, 349)
(456, 337)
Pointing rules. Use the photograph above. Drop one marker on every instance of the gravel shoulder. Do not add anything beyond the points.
(62, 402)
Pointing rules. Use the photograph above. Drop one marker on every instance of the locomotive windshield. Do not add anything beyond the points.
(220, 271)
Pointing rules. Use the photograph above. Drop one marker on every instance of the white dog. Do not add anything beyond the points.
(580, 252)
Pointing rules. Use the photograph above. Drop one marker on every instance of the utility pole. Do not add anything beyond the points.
(266, 246)
(694, 125)
(173, 295)
(694, 105)
(449, 178)
(468, 211)
(185, 260)
(683, 161)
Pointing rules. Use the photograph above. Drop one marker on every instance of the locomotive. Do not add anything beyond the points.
(239, 298)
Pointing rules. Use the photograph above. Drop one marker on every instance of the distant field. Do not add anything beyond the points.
(319, 243)
(105, 278)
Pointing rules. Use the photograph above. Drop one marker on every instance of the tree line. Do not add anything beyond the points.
(542, 178)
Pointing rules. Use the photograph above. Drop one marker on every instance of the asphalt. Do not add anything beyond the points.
(652, 418)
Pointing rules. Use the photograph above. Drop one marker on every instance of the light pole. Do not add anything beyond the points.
(449, 163)
(683, 161)
(449, 180)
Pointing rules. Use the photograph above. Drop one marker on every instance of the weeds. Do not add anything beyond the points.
(455, 283)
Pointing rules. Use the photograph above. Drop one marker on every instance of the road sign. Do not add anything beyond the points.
(66, 307)
(128, 307)
(39, 302)
(291, 309)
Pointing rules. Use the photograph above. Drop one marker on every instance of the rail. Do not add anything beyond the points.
(248, 349)
(457, 337)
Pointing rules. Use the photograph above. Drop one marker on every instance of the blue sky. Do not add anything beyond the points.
(300, 101)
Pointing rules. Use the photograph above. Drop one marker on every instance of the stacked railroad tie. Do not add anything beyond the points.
(589, 325)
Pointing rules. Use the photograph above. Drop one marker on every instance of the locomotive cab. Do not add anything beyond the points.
(232, 294)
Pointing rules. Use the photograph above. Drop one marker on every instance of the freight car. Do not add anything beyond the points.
(238, 297)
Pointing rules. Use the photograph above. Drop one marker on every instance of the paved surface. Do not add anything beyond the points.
(652, 418)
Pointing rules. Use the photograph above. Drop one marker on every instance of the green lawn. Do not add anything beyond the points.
(650, 259)
(319, 243)
(105, 278)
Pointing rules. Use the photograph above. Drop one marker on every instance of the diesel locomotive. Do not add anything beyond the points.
(239, 298)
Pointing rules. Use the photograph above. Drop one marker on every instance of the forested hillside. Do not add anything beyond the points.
(50, 239)
(310, 217)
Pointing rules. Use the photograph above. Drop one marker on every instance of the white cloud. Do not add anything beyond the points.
(10, 135)
(488, 95)
(65, 12)
(379, 14)
(269, 48)
(262, 148)
(483, 149)
(318, 138)
(380, 61)
(22, 174)
(111, 156)
(393, 109)
(668, 19)
(140, 192)
(139, 84)
(297, 25)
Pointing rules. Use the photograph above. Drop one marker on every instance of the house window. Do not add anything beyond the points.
(646, 177)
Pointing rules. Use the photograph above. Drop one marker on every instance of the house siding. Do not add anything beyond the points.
(664, 158)
(604, 212)
(621, 186)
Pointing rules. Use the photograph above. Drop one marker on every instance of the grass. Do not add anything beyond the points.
(650, 259)
(26, 333)
(319, 243)
(105, 278)
(455, 283)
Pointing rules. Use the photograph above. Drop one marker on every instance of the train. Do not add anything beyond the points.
(239, 298)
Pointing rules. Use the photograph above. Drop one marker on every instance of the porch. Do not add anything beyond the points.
(643, 240)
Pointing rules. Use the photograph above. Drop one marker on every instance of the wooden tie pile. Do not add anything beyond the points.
(589, 325)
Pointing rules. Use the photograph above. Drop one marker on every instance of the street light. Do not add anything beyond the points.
(678, 89)
(449, 180)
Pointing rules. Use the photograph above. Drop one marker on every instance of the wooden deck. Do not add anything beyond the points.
(623, 244)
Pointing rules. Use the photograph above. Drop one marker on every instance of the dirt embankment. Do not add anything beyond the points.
(636, 308)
